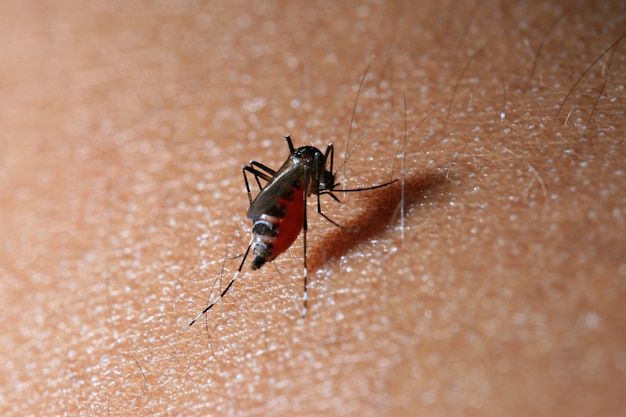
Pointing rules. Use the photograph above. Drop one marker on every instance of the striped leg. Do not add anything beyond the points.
(230, 284)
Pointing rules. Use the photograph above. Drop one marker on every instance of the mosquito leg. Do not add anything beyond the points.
(373, 187)
(324, 215)
(262, 167)
(257, 174)
(289, 143)
(230, 284)
(261, 171)
(305, 272)
(245, 179)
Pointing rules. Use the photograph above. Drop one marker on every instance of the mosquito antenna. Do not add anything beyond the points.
(356, 101)
(343, 164)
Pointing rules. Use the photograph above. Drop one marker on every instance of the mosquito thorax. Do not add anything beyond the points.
(315, 160)
(307, 154)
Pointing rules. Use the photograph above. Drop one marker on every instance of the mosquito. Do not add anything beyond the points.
(279, 211)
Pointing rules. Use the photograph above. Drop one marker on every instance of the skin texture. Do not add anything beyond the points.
(498, 290)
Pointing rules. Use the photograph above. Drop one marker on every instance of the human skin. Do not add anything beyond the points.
(497, 290)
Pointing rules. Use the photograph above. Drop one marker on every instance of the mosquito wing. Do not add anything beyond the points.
(289, 175)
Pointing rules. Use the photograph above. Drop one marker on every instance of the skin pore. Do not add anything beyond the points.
(491, 282)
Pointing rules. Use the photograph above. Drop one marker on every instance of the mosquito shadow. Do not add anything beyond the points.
(380, 209)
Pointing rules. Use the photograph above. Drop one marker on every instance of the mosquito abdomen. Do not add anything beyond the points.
(274, 234)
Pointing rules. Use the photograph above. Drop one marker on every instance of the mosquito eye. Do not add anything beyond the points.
(328, 181)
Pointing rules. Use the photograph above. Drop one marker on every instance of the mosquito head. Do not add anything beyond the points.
(327, 181)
